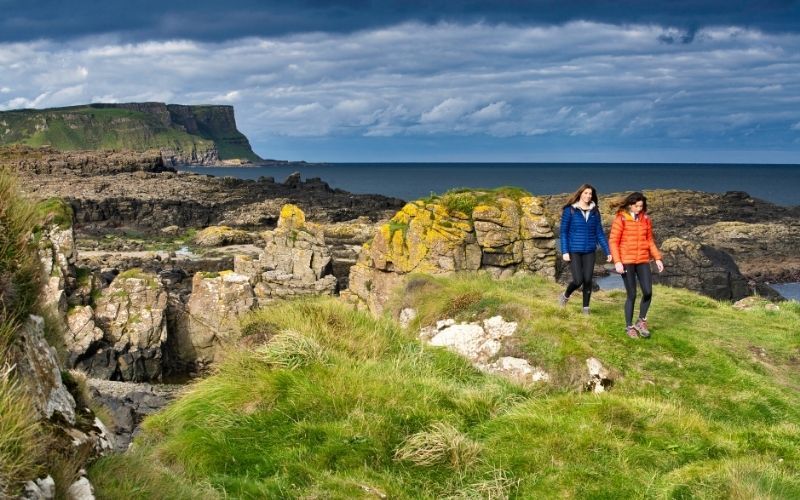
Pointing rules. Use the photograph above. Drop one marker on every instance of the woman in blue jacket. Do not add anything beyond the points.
(581, 232)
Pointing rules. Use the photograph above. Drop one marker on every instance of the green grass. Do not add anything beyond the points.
(20, 268)
(54, 211)
(21, 437)
(338, 404)
(464, 200)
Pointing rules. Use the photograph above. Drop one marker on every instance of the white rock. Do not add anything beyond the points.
(469, 340)
(444, 323)
(81, 490)
(497, 327)
(598, 376)
(517, 369)
(41, 489)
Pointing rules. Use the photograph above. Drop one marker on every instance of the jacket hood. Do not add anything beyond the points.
(578, 206)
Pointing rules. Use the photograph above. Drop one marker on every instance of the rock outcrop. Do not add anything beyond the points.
(481, 343)
(38, 370)
(57, 252)
(701, 268)
(764, 250)
(495, 233)
(149, 201)
(295, 260)
(131, 314)
(48, 161)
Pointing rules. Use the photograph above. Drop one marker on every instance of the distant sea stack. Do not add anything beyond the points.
(193, 135)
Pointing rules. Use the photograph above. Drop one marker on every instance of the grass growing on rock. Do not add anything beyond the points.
(343, 405)
(464, 200)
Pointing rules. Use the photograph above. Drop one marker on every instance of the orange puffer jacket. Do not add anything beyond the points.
(631, 240)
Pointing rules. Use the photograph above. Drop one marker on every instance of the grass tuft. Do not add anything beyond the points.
(291, 350)
(442, 444)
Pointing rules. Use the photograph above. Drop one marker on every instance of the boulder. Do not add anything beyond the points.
(500, 235)
(701, 268)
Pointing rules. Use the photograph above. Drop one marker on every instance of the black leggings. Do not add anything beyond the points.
(582, 267)
(642, 271)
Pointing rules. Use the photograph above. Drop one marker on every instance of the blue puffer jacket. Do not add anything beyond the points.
(579, 235)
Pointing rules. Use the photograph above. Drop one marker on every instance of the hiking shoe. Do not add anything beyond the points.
(641, 327)
(632, 332)
(562, 300)
(585, 311)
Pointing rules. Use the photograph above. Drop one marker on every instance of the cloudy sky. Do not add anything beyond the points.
(412, 80)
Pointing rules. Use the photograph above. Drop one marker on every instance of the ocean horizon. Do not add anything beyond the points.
(776, 183)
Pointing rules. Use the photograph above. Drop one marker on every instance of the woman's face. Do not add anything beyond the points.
(637, 207)
(586, 196)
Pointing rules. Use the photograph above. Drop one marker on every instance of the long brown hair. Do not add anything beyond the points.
(629, 200)
(577, 195)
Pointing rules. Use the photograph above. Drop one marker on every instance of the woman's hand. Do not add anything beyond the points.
(608, 259)
(565, 257)
(619, 267)
(660, 266)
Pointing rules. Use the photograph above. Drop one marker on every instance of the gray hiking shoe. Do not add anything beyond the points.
(585, 311)
(632, 332)
(562, 300)
(641, 327)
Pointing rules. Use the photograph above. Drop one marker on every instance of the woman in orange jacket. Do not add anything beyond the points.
(632, 248)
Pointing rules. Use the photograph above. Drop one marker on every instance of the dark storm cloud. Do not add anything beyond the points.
(216, 21)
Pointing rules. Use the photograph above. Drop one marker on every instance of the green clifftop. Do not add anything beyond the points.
(184, 134)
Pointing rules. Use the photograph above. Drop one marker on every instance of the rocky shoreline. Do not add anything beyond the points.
(157, 267)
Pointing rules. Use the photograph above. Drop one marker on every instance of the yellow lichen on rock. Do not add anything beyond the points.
(221, 235)
(291, 217)
(500, 233)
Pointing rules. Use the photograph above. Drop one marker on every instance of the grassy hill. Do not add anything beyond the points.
(340, 405)
(136, 126)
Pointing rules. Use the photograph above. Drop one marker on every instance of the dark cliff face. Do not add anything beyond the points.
(216, 123)
(184, 134)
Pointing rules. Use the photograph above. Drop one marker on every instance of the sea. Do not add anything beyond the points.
(779, 184)
(775, 183)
